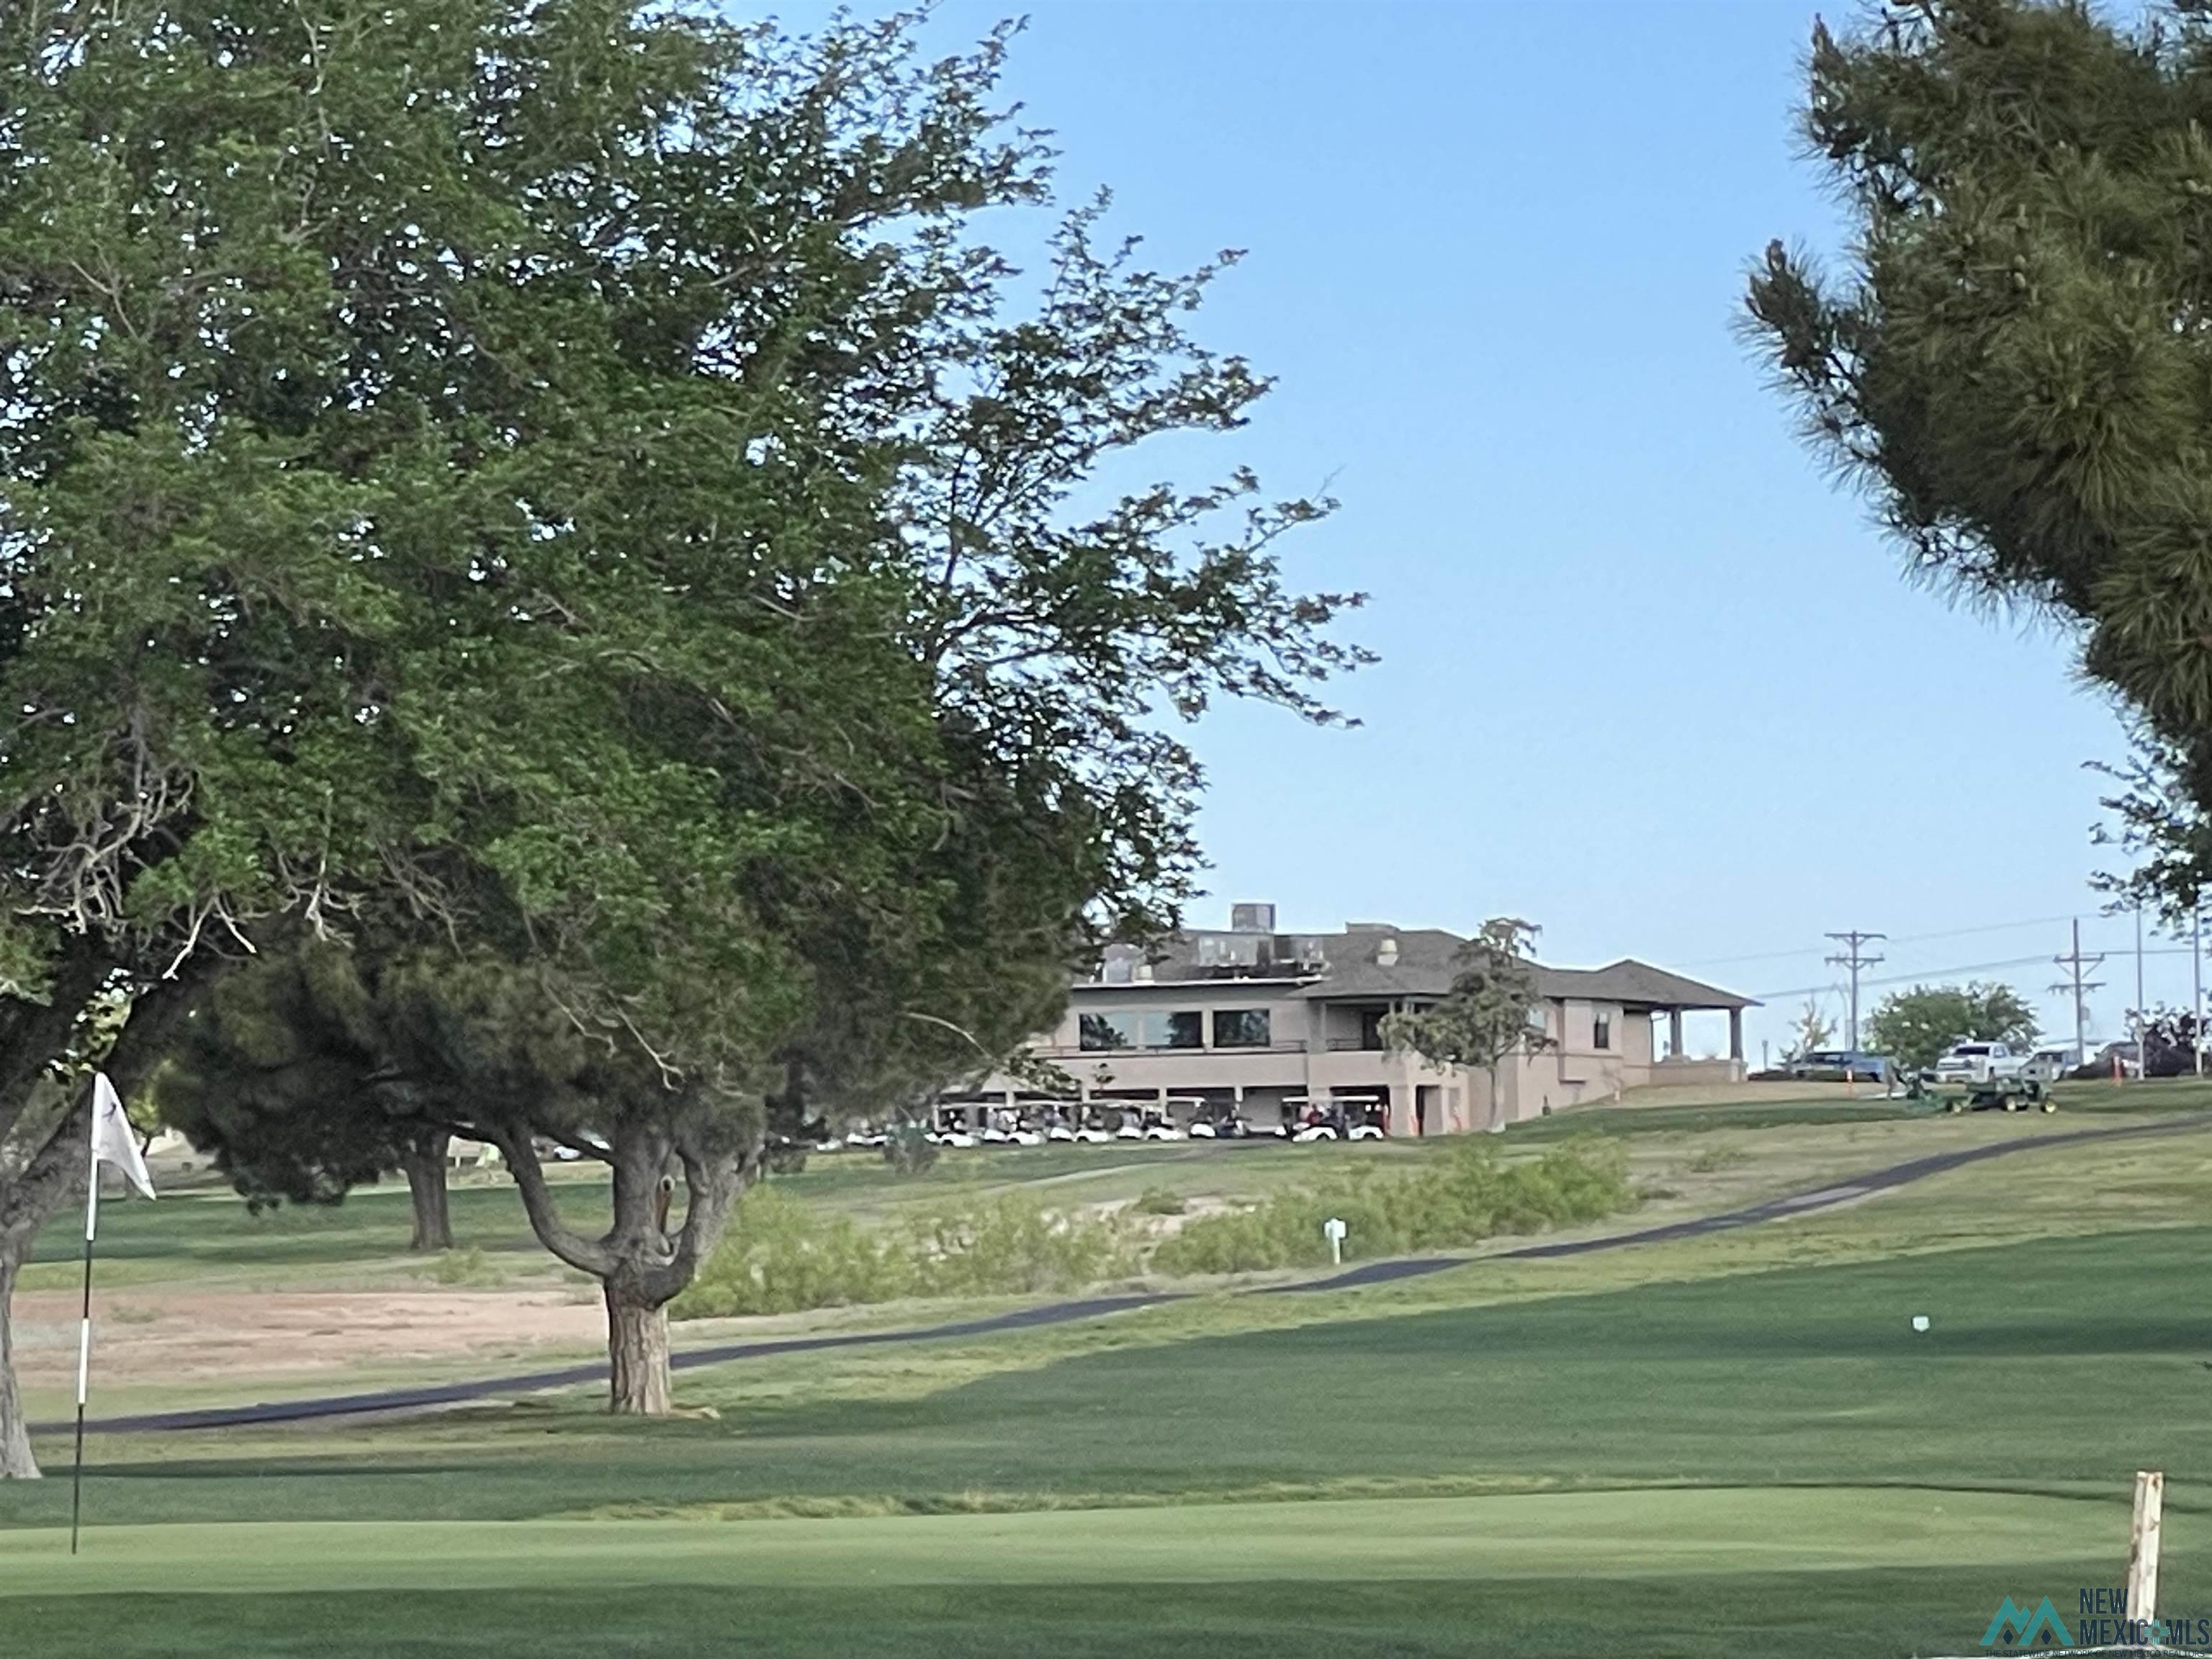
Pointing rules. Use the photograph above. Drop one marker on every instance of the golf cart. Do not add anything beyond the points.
(2007, 1092)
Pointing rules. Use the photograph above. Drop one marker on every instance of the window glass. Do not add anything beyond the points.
(1116, 1029)
(1601, 1031)
(1173, 1028)
(1241, 1028)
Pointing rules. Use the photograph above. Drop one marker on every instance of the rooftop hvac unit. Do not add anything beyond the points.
(1251, 918)
(1228, 950)
(1119, 965)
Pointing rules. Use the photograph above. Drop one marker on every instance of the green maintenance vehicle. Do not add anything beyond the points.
(1983, 1076)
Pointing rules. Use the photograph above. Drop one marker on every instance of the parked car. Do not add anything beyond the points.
(1850, 1064)
(2124, 1057)
(1815, 1061)
(1978, 1062)
(2053, 1062)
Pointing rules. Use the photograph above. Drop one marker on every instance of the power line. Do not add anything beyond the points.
(1853, 958)
(1915, 977)
(1902, 939)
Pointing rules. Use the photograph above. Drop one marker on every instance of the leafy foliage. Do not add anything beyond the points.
(780, 1256)
(2013, 365)
(1486, 1014)
(1914, 1027)
(1462, 1198)
(564, 498)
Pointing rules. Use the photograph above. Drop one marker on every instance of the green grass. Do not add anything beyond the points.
(1732, 1445)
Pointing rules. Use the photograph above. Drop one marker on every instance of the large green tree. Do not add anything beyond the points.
(286, 1075)
(1493, 1009)
(2012, 360)
(1914, 1027)
(560, 491)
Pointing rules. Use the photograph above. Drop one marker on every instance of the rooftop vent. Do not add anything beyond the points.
(1386, 953)
(1251, 918)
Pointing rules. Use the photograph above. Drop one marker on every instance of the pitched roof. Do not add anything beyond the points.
(1634, 981)
(1427, 959)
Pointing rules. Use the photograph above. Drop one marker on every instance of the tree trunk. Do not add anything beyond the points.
(16, 1462)
(637, 1350)
(424, 1161)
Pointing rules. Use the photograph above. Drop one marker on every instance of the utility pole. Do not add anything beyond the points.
(2137, 1022)
(2197, 985)
(2079, 988)
(1853, 958)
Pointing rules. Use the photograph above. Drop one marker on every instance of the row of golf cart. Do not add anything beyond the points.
(1095, 1123)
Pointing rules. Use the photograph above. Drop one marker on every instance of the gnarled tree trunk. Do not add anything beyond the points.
(424, 1162)
(641, 1264)
(638, 1379)
(16, 1462)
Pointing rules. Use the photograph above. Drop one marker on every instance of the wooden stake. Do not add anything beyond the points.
(2143, 1545)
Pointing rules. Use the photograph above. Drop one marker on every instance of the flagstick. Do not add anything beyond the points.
(84, 1343)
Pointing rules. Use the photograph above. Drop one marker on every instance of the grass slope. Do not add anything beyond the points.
(1722, 1446)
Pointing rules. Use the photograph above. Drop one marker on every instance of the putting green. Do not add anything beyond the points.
(1621, 1534)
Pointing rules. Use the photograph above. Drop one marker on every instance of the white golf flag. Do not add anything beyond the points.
(112, 1138)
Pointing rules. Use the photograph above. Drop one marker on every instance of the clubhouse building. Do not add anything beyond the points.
(1273, 1026)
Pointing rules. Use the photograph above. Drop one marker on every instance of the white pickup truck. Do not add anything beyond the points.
(1978, 1062)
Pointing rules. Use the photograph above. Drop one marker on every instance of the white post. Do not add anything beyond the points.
(2142, 1546)
(1334, 1229)
(2197, 985)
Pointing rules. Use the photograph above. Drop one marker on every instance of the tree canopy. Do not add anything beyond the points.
(2012, 361)
(559, 495)
(1914, 1028)
(1491, 1010)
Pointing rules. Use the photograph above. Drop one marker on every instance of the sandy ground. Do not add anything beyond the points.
(158, 1335)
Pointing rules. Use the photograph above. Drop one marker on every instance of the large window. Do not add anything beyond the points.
(1172, 1029)
(1117, 1030)
(1241, 1028)
(1601, 1031)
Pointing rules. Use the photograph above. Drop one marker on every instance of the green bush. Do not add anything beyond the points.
(1464, 1196)
(1160, 1200)
(1011, 1244)
(909, 1151)
(462, 1267)
(779, 1256)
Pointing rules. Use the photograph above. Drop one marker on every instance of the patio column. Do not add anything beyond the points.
(1735, 1034)
(1673, 1034)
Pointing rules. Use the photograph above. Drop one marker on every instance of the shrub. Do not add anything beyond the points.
(1158, 1200)
(461, 1266)
(908, 1150)
(1463, 1197)
(779, 1256)
(1012, 1245)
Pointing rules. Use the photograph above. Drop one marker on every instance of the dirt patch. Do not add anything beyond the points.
(154, 1335)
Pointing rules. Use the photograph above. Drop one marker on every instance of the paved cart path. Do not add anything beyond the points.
(1826, 1197)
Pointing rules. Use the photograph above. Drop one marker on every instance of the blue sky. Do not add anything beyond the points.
(1648, 678)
